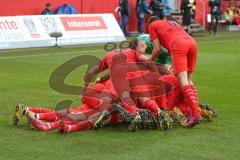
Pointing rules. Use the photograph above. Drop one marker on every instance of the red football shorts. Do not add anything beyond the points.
(184, 55)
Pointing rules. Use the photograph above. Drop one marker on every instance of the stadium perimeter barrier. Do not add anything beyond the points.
(34, 31)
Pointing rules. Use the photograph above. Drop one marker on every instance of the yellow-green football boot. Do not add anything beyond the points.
(20, 112)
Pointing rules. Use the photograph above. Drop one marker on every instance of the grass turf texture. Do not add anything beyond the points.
(24, 77)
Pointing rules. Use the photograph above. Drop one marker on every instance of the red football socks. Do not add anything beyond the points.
(129, 105)
(80, 126)
(39, 110)
(151, 105)
(48, 116)
(191, 99)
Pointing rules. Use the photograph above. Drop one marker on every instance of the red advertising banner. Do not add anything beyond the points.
(83, 23)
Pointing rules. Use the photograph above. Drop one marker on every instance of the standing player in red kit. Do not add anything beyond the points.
(183, 50)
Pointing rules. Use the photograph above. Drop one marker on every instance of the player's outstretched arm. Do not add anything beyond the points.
(90, 74)
(144, 58)
(156, 49)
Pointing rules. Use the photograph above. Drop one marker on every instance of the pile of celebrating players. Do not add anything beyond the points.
(140, 90)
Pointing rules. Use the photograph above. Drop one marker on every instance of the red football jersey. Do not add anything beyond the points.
(167, 32)
(129, 54)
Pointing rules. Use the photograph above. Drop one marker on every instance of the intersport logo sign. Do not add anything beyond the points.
(83, 23)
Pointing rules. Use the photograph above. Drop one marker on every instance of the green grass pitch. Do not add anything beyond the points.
(24, 77)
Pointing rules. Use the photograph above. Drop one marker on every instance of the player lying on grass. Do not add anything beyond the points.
(97, 99)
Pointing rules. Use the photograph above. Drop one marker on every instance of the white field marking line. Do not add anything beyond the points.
(92, 51)
(219, 41)
(48, 54)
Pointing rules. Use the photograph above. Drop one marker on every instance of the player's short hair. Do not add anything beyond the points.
(133, 44)
(48, 5)
(153, 19)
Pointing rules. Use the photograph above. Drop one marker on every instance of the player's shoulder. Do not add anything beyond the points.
(128, 51)
(110, 54)
(107, 56)
(157, 23)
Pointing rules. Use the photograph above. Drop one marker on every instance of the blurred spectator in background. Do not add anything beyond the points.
(215, 12)
(47, 10)
(187, 11)
(66, 9)
(157, 7)
(142, 9)
(232, 15)
(236, 18)
(238, 11)
(229, 13)
(166, 10)
(194, 9)
(124, 10)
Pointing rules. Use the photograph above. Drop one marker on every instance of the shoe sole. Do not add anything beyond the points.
(127, 117)
(100, 122)
(163, 121)
(16, 118)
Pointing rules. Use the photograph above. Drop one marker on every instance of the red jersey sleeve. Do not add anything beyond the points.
(137, 55)
(152, 32)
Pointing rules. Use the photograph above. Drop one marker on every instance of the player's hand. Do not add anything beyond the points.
(168, 69)
(98, 80)
(164, 50)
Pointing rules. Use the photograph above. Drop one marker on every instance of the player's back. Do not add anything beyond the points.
(119, 56)
(167, 32)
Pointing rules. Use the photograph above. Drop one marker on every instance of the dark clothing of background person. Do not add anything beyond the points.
(142, 9)
(186, 10)
(47, 10)
(215, 14)
(66, 9)
(194, 9)
(124, 9)
(157, 7)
